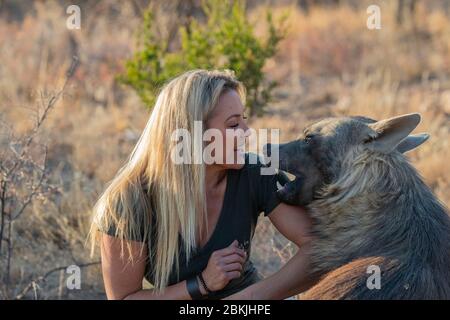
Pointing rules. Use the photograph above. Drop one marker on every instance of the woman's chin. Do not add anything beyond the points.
(235, 161)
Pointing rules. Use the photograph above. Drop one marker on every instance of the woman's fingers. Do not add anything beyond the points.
(227, 252)
(232, 249)
(232, 258)
(233, 267)
(224, 265)
(233, 275)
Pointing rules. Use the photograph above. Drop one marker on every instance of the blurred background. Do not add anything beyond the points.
(68, 124)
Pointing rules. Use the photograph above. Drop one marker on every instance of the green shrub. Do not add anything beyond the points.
(225, 40)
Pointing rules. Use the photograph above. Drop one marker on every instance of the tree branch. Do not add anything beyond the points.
(42, 278)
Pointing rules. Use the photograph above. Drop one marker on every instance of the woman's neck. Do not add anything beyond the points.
(214, 176)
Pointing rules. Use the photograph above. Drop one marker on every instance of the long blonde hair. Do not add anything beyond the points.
(177, 191)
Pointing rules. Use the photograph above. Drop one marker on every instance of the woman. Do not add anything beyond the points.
(187, 228)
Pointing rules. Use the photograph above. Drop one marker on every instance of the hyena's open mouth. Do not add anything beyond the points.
(288, 190)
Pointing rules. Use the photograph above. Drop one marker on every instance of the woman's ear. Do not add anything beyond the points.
(389, 133)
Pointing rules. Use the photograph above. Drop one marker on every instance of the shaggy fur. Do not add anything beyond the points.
(370, 208)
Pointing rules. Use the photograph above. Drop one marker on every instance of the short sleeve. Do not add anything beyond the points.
(139, 218)
(265, 184)
(111, 231)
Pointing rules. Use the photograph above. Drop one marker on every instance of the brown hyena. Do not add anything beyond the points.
(371, 210)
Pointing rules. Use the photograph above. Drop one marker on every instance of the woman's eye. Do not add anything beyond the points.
(235, 125)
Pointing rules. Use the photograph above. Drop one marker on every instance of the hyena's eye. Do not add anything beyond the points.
(369, 139)
(308, 138)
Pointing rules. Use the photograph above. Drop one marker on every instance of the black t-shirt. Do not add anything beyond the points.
(247, 194)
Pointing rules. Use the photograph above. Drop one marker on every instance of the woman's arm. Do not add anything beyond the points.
(123, 279)
(293, 277)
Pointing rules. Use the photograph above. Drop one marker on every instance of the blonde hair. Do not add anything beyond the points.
(177, 192)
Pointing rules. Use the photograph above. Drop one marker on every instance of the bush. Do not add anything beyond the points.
(225, 40)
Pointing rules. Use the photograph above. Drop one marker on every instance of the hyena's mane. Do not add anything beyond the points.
(378, 205)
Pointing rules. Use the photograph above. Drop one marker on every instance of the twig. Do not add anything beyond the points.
(8, 176)
(47, 274)
(2, 211)
(42, 118)
(34, 191)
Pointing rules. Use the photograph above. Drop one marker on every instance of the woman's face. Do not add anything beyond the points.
(228, 118)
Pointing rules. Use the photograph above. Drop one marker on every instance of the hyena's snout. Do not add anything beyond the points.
(295, 158)
(278, 154)
(275, 155)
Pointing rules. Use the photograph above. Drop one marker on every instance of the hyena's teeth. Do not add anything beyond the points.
(279, 186)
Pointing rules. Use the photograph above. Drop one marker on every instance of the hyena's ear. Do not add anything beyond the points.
(390, 132)
(412, 141)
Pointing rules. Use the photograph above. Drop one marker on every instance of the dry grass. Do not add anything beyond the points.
(329, 64)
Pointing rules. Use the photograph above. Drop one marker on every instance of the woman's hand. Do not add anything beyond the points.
(223, 266)
(293, 277)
